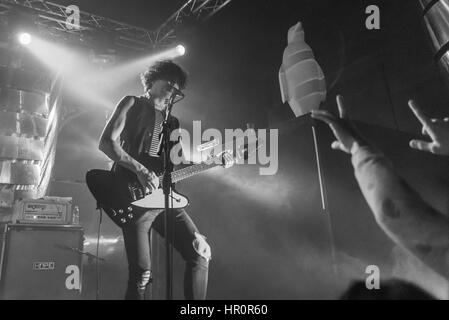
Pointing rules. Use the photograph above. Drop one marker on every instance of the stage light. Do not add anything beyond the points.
(180, 49)
(74, 66)
(24, 38)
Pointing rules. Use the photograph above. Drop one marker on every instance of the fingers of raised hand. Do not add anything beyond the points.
(341, 107)
(422, 145)
(418, 113)
(323, 115)
(424, 131)
(336, 145)
(441, 122)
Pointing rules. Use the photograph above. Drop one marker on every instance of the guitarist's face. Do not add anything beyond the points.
(161, 92)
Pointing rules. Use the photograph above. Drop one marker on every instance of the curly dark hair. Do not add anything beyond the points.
(164, 70)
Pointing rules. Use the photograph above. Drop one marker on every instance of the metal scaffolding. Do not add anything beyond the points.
(53, 18)
(200, 10)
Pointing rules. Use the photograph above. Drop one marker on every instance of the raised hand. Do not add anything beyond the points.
(436, 129)
(348, 140)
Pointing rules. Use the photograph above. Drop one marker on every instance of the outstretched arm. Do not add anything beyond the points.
(399, 210)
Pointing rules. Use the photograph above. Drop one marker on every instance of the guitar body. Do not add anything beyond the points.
(123, 198)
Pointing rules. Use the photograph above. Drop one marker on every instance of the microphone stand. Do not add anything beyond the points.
(164, 146)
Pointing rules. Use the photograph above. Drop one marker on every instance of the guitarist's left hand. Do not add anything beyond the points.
(227, 159)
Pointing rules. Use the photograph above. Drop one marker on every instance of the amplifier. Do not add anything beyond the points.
(47, 210)
(42, 262)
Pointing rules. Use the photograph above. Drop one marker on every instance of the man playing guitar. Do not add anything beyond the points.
(129, 140)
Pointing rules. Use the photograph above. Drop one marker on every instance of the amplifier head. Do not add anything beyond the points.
(48, 210)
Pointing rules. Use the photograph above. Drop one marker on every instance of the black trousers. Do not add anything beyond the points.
(187, 241)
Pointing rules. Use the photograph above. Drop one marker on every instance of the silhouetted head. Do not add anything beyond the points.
(393, 289)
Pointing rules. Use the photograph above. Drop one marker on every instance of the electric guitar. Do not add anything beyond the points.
(124, 199)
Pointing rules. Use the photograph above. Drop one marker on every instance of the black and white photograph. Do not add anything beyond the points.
(242, 152)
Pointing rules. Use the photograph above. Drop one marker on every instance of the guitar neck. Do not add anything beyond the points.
(190, 171)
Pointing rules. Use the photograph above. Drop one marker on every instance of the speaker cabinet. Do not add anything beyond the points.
(40, 261)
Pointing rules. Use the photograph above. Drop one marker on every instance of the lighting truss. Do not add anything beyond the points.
(52, 18)
(200, 10)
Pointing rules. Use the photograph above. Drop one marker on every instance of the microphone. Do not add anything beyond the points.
(176, 95)
(177, 92)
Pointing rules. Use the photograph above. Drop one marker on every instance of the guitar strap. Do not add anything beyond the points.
(152, 148)
(150, 138)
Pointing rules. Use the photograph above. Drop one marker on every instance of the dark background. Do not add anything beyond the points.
(269, 240)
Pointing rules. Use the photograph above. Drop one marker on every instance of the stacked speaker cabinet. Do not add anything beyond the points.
(40, 262)
(28, 133)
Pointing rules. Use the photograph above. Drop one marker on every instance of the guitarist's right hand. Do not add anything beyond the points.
(148, 179)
